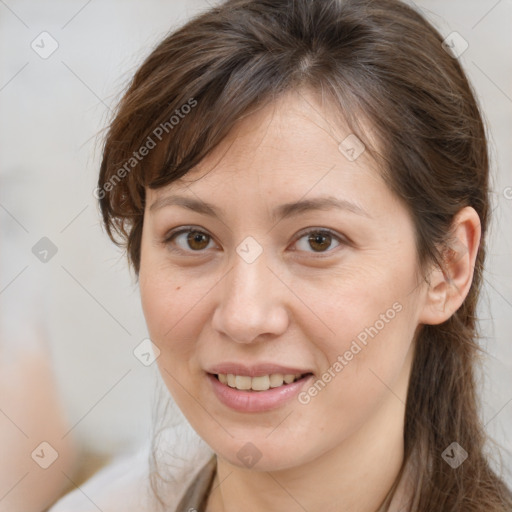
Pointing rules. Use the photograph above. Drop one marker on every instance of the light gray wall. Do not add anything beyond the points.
(51, 111)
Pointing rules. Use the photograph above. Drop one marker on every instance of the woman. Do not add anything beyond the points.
(302, 190)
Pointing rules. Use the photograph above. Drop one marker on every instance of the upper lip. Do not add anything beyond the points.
(256, 370)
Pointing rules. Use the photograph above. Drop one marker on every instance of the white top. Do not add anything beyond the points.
(124, 486)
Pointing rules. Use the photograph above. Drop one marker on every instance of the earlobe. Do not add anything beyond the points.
(448, 287)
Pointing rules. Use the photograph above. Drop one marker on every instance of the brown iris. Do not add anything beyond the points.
(323, 240)
(196, 237)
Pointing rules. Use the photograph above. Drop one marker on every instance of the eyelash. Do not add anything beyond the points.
(173, 234)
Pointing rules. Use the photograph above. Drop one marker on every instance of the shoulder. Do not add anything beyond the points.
(122, 485)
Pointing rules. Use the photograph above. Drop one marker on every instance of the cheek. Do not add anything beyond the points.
(157, 297)
(173, 307)
(358, 303)
(171, 320)
(358, 378)
(371, 321)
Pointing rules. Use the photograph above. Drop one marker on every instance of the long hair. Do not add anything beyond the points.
(377, 61)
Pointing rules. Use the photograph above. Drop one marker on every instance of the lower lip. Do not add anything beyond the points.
(256, 401)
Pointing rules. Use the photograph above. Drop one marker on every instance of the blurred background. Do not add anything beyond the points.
(66, 289)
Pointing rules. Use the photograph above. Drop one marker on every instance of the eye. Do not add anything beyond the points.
(194, 241)
(318, 239)
(191, 239)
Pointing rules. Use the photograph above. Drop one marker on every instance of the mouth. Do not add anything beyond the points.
(258, 394)
(261, 383)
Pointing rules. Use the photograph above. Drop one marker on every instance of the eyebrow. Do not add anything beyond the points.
(282, 211)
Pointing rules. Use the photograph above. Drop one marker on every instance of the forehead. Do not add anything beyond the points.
(289, 143)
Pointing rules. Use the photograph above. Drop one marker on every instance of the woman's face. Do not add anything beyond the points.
(331, 291)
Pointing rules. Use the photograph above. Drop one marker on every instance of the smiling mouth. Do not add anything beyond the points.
(261, 383)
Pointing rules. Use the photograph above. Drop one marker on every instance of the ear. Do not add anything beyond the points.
(448, 287)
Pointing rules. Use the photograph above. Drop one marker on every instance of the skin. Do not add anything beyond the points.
(297, 304)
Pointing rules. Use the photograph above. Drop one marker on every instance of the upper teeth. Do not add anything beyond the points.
(262, 383)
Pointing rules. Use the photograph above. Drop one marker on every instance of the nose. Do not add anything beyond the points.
(252, 304)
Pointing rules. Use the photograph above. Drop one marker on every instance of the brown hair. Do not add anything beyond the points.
(381, 59)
